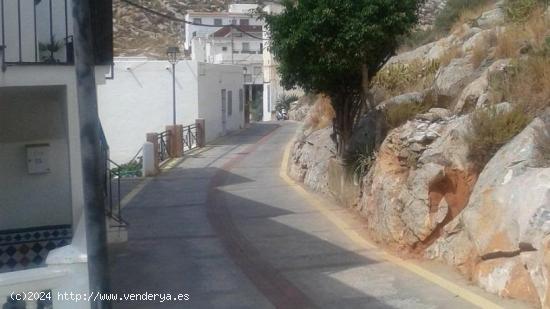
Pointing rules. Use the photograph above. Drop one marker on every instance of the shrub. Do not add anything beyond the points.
(452, 53)
(398, 114)
(526, 83)
(490, 130)
(360, 158)
(418, 38)
(480, 52)
(284, 101)
(519, 11)
(454, 10)
(321, 114)
(401, 78)
(128, 170)
(509, 43)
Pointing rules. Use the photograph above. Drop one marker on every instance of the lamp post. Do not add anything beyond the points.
(173, 55)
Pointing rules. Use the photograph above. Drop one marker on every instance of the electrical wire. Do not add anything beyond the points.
(172, 18)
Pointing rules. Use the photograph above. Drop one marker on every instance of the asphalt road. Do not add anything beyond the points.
(226, 229)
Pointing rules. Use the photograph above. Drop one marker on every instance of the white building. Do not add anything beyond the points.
(139, 101)
(237, 41)
(272, 89)
(42, 233)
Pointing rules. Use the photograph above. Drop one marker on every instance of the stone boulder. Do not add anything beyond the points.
(419, 182)
(451, 80)
(310, 159)
(491, 19)
(502, 237)
(476, 94)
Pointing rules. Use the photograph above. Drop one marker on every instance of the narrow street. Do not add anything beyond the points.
(224, 227)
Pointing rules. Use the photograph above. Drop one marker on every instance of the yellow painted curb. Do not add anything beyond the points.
(320, 205)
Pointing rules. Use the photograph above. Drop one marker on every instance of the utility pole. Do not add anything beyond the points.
(93, 181)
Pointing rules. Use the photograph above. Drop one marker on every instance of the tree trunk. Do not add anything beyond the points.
(344, 121)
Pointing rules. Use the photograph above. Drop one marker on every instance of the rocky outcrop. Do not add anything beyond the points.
(299, 110)
(420, 182)
(502, 236)
(310, 159)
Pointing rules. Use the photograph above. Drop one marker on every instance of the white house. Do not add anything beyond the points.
(238, 41)
(238, 14)
(272, 89)
(42, 235)
(139, 101)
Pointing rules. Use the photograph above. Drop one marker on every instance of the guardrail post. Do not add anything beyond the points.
(175, 141)
(153, 138)
(201, 132)
(150, 168)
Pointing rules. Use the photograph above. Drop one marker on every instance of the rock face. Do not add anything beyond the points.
(502, 235)
(310, 159)
(409, 206)
(137, 33)
(429, 11)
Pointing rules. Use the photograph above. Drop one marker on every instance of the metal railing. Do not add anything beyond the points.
(190, 134)
(112, 185)
(163, 152)
(36, 31)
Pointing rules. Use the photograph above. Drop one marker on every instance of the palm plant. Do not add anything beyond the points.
(48, 50)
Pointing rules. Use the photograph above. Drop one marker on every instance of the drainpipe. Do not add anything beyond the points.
(92, 166)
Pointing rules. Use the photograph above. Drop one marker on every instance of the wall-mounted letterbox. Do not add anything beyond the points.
(38, 159)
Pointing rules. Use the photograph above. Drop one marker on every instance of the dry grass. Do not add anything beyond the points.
(402, 78)
(396, 115)
(537, 29)
(480, 51)
(509, 42)
(321, 114)
(469, 15)
(526, 83)
(490, 130)
(452, 53)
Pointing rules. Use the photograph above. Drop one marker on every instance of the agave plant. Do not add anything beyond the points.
(48, 50)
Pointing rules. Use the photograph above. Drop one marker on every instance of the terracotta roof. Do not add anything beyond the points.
(224, 31)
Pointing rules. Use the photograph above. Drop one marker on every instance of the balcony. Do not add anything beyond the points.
(36, 31)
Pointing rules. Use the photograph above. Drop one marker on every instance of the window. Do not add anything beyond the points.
(197, 21)
(229, 103)
(218, 22)
(224, 48)
(246, 47)
(248, 78)
(261, 48)
(241, 100)
(234, 22)
(244, 22)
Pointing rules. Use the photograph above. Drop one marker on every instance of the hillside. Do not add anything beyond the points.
(137, 33)
(453, 163)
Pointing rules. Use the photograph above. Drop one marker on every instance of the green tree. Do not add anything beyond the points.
(335, 47)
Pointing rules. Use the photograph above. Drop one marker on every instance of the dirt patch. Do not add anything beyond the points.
(455, 188)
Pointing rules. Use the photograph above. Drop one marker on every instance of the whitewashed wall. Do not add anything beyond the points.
(212, 80)
(139, 100)
(64, 76)
(33, 115)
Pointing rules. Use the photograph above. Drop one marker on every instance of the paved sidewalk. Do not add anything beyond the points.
(226, 229)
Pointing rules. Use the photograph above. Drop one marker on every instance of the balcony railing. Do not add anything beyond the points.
(36, 31)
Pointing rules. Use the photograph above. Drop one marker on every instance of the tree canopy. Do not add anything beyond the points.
(325, 45)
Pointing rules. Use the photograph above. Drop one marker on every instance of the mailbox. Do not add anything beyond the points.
(38, 159)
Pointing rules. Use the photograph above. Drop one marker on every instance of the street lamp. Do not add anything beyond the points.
(173, 55)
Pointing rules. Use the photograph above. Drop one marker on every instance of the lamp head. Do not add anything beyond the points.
(173, 54)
